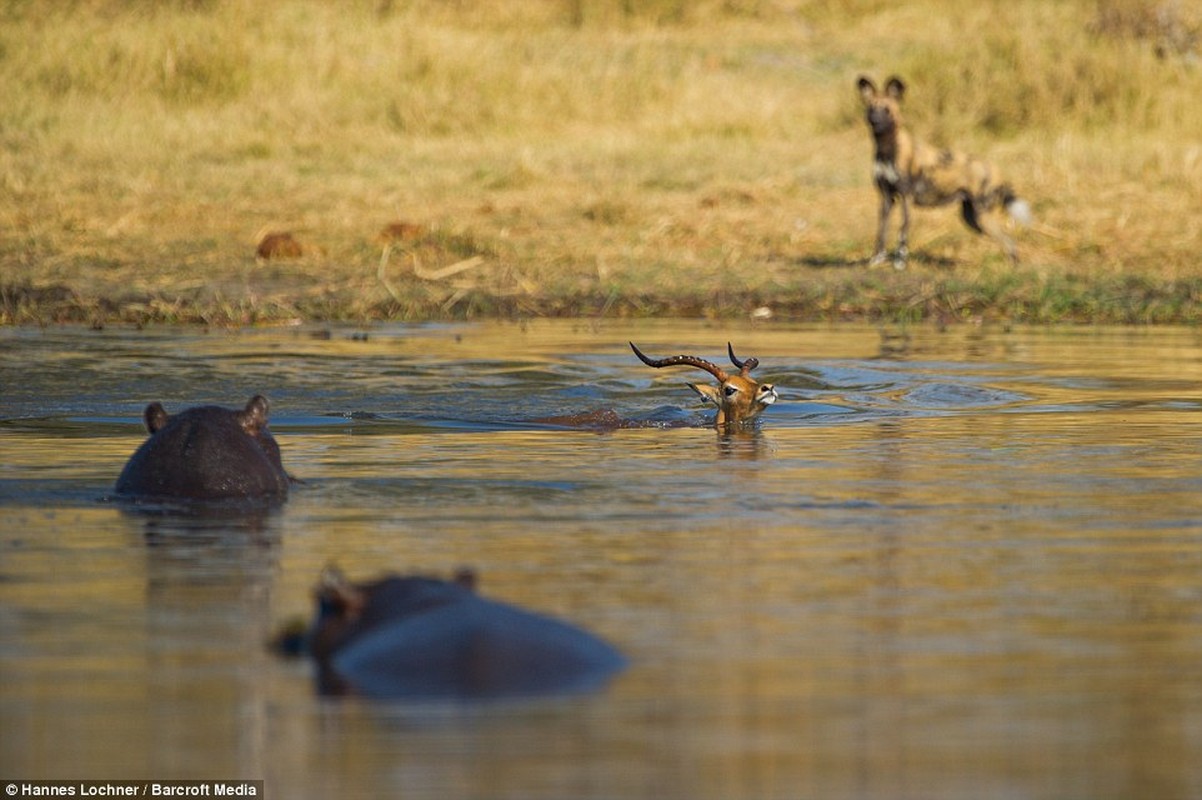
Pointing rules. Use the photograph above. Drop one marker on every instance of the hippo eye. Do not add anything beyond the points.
(328, 606)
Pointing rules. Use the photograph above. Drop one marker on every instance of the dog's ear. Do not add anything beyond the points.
(895, 88)
(867, 89)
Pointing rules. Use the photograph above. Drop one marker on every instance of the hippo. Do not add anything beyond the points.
(206, 453)
(417, 637)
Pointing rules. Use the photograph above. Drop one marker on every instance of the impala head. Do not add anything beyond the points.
(739, 397)
(883, 108)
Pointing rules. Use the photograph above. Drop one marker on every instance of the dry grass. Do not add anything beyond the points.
(582, 156)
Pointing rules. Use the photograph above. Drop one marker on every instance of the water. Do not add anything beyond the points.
(948, 564)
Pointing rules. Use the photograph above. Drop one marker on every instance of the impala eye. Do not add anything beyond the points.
(730, 391)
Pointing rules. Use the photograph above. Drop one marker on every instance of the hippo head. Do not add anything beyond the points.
(346, 610)
(206, 453)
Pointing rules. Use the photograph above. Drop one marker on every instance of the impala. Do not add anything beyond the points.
(739, 397)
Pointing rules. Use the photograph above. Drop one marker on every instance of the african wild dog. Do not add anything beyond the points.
(906, 169)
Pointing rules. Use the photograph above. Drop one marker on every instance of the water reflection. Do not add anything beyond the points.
(945, 564)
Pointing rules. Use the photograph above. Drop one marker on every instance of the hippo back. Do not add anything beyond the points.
(206, 453)
(425, 638)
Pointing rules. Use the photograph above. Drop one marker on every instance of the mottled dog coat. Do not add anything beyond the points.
(906, 169)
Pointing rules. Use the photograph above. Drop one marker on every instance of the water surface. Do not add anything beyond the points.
(948, 564)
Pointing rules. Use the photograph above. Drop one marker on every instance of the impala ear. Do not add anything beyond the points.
(708, 393)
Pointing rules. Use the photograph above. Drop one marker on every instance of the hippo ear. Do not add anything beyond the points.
(253, 418)
(466, 577)
(895, 88)
(155, 417)
(337, 594)
(332, 580)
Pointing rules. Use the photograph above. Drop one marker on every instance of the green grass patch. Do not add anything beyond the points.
(584, 157)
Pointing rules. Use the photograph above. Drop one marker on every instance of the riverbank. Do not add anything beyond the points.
(573, 158)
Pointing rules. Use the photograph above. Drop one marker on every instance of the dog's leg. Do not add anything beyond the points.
(903, 236)
(991, 224)
(882, 228)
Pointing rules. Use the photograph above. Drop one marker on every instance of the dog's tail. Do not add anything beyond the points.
(1018, 208)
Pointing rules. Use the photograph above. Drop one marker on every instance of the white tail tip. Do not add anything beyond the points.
(1019, 211)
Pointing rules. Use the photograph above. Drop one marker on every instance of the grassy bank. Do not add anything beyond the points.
(584, 157)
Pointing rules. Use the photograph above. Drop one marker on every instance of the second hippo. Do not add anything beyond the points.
(206, 453)
(420, 637)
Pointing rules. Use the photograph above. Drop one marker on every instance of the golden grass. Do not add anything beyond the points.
(583, 156)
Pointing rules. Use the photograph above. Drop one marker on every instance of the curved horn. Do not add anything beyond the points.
(685, 361)
(745, 366)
